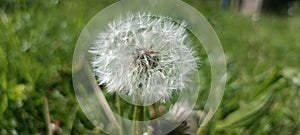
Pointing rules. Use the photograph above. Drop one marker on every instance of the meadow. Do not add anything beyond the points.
(36, 49)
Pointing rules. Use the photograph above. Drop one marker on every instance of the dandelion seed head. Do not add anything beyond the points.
(144, 56)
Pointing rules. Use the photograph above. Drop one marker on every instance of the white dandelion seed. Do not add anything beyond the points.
(144, 56)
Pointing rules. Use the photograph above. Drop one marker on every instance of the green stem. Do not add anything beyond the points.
(138, 116)
(141, 113)
(47, 115)
(118, 106)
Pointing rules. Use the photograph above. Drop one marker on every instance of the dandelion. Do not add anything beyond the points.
(144, 56)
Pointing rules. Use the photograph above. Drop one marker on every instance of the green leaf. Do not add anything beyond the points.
(250, 112)
(3, 103)
(246, 113)
(3, 84)
(17, 92)
(272, 78)
(85, 121)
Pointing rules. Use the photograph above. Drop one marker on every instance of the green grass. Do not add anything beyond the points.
(36, 48)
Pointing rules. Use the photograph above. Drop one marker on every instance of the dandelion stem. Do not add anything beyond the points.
(118, 106)
(47, 115)
(138, 117)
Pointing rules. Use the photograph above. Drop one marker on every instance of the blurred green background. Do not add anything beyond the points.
(261, 44)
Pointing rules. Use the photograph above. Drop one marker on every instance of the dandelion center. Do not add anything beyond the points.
(146, 59)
